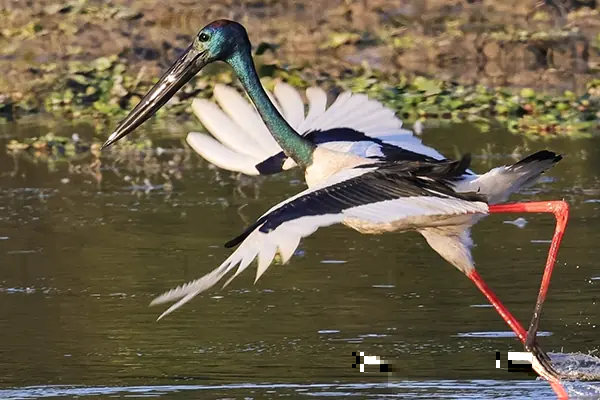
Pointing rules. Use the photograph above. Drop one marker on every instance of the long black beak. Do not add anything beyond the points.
(184, 69)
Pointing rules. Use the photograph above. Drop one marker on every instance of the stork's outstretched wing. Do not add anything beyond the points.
(373, 194)
(352, 123)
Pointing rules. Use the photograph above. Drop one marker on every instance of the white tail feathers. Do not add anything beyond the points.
(499, 183)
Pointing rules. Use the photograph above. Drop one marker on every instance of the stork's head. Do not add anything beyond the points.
(218, 41)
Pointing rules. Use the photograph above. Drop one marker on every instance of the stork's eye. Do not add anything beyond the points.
(204, 37)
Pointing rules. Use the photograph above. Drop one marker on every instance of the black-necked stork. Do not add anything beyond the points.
(438, 198)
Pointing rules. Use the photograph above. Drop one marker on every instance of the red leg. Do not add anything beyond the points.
(543, 369)
(512, 322)
(540, 363)
(560, 209)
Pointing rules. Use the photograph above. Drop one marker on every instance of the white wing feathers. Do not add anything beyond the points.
(317, 104)
(238, 126)
(392, 210)
(226, 130)
(244, 115)
(286, 237)
(291, 103)
(220, 155)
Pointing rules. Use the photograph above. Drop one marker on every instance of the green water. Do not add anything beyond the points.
(82, 254)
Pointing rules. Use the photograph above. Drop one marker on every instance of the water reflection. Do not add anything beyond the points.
(81, 259)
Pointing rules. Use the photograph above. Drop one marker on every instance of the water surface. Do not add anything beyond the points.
(84, 250)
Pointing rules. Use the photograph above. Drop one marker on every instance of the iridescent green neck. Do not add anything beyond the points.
(293, 145)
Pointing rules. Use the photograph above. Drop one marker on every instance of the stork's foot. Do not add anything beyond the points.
(531, 345)
(541, 362)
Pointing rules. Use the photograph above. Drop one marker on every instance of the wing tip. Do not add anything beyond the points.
(540, 156)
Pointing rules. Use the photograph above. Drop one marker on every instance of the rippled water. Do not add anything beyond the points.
(81, 257)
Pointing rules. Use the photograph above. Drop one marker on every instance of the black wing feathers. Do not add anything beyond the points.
(444, 171)
(389, 151)
(271, 165)
(540, 156)
(389, 181)
(274, 164)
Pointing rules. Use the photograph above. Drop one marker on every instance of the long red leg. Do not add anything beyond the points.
(560, 209)
(512, 322)
(521, 333)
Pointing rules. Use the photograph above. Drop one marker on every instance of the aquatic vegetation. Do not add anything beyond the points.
(55, 147)
(98, 90)
(501, 62)
(337, 39)
(141, 165)
(522, 111)
(104, 91)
